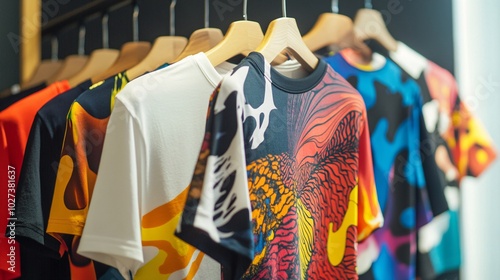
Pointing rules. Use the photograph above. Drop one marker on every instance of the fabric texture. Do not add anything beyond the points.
(157, 129)
(283, 187)
(85, 129)
(15, 124)
(394, 108)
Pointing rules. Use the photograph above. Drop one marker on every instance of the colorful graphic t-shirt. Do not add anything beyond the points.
(283, 187)
(158, 127)
(394, 108)
(41, 252)
(79, 162)
(15, 124)
(463, 149)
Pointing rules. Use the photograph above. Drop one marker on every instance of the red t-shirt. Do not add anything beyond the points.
(15, 125)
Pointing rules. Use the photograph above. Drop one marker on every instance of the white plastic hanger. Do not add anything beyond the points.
(283, 34)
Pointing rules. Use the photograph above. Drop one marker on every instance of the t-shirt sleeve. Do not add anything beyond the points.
(471, 145)
(76, 173)
(370, 215)
(217, 213)
(434, 177)
(70, 199)
(30, 222)
(415, 166)
(112, 233)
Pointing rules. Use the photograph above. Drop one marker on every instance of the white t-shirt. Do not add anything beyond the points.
(150, 151)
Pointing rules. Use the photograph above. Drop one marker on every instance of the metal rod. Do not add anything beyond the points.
(81, 40)
(245, 9)
(283, 7)
(335, 6)
(207, 14)
(135, 23)
(105, 31)
(77, 15)
(54, 48)
(172, 17)
(368, 4)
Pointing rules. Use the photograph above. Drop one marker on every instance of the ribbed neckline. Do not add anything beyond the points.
(375, 70)
(295, 86)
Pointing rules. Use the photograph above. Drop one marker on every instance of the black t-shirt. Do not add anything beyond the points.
(40, 251)
(429, 142)
(11, 99)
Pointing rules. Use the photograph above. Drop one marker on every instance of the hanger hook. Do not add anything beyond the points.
(245, 9)
(207, 14)
(368, 4)
(335, 6)
(135, 21)
(283, 7)
(105, 31)
(81, 40)
(172, 17)
(54, 47)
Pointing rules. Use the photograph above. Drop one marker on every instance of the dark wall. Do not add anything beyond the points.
(9, 52)
(425, 25)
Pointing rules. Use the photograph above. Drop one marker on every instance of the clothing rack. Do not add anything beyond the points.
(79, 15)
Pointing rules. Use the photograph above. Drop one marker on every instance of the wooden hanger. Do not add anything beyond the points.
(131, 54)
(72, 64)
(369, 24)
(98, 62)
(334, 31)
(44, 71)
(203, 39)
(165, 50)
(242, 37)
(283, 34)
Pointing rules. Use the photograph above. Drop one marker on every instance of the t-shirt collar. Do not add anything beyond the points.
(408, 59)
(213, 74)
(299, 85)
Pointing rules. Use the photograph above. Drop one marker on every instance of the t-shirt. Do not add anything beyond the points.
(36, 189)
(86, 126)
(283, 187)
(11, 99)
(463, 149)
(158, 126)
(393, 103)
(15, 124)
